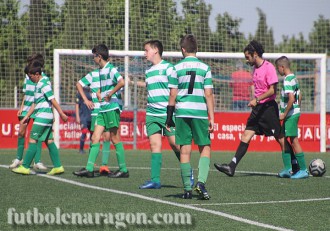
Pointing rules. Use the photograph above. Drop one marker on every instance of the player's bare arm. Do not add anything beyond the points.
(210, 107)
(63, 116)
(27, 116)
(288, 107)
(120, 84)
(88, 103)
(271, 91)
(21, 107)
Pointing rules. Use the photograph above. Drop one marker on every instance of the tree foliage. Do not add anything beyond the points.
(81, 24)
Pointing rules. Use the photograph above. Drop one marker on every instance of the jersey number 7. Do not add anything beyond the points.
(192, 81)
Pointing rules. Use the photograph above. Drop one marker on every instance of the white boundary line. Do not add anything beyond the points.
(266, 202)
(186, 206)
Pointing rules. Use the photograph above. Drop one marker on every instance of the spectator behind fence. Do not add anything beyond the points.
(242, 87)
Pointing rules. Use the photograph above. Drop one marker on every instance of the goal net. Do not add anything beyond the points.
(72, 65)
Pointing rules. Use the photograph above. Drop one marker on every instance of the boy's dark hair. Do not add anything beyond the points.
(34, 67)
(254, 46)
(26, 69)
(102, 50)
(155, 44)
(283, 61)
(36, 57)
(189, 43)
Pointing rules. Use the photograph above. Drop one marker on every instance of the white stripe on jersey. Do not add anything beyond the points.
(197, 106)
(159, 92)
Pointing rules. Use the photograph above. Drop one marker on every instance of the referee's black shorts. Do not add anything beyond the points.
(264, 119)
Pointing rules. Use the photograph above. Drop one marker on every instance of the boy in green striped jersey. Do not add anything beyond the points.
(111, 83)
(290, 114)
(192, 95)
(42, 126)
(28, 89)
(92, 80)
(158, 94)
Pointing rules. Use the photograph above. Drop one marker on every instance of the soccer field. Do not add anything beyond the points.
(254, 199)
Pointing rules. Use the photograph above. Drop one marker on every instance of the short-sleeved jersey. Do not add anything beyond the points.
(43, 107)
(263, 77)
(157, 86)
(109, 77)
(92, 79)
(192, 78)
(28, 89)
(84, 111)
(290, 85)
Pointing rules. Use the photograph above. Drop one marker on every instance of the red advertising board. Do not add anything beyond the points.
(226, 137)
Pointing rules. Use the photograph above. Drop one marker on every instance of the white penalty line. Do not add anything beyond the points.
(186, 206)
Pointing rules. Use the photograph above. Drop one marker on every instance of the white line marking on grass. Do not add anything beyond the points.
(232, 217)
(266, 202)
(186, 206)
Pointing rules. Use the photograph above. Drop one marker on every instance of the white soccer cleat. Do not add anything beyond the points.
(15, 163)
(39, 166)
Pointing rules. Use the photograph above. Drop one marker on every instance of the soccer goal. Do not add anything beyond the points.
(71, 65)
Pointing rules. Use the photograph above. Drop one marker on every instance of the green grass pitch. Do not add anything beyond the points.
(254, 199)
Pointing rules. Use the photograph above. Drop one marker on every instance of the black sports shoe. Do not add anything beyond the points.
(225, 168)
(201, 190)
(84, 173)
(118, 174)
(187, 195)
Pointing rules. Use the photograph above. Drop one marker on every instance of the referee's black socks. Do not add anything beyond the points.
(240, 152)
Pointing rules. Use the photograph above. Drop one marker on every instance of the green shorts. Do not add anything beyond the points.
(290, 126)
(156, 124)
(192, 128)
(41, 133)
(93, 123)
(109, 119)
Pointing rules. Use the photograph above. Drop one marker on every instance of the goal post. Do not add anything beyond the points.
(131, 65)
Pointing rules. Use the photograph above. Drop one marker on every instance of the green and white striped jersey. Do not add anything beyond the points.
(43, 107)
(92, 79)
(109, 77)
(28, 89)
(157, 85)
(193, 76)
(290, 85)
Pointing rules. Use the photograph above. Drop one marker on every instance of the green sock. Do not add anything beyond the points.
(94, 152)
(286, 157)
(177, 154)
(301, 160)
(120, 153)
(156, 164)
(38, 154)
(30, 153)
(203, 169)
(54, 155)
(20, 148)
(185, 175)
(105, 152)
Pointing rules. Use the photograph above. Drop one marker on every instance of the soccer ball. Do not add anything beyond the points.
(317, 167)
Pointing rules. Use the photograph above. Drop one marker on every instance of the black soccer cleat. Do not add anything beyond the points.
(225, 168)
(187, 194)
(118, 174)
(201, 190)
(84, 173)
